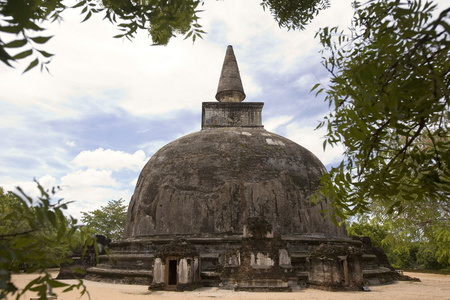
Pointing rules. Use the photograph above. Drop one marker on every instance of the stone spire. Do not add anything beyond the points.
(230, 85)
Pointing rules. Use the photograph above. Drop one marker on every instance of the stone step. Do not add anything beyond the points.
(374, 272)
(302, 275)
(369, 257)
(299, 255)
(109, 266)
(128, 256)
(210, 274)
(263, 289)
(119, 272)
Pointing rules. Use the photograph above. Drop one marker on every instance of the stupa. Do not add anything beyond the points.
(229, 206)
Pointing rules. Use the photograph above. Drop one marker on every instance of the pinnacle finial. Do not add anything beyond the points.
(230, 85)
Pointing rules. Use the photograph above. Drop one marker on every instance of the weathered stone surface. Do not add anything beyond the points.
(335, 267)
(231, 114)
(376, 267)
(230, 85)
(213, 180)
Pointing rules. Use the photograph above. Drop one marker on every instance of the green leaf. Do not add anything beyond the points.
(5, 57)
(10, 29)
(45, 54)
(88, 16)
(79, 4)
(314, 87)
(41, 39)
(16, 44)
(189, 34)
(23, 54)
(57, 284)
(33, 64)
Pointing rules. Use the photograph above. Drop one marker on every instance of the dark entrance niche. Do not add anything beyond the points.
(172, 278)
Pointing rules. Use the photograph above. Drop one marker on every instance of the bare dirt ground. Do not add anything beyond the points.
(432, 286)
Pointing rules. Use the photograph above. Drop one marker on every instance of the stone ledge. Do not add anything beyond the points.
(210, 274)
(299, 255)
(129, 256)
(119, 272)
(318, 238)
(369, 256)
(381, 270)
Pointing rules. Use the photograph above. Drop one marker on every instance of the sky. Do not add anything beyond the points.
(109, 104)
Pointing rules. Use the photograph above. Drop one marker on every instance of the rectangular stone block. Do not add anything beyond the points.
(228, 114)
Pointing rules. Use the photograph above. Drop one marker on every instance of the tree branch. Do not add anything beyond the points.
(5, 236)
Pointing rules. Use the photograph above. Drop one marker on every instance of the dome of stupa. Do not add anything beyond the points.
(211, 181)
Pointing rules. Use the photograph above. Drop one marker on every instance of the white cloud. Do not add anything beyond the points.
(312, 140)
(88, 198)
(85, 190)
(89, 190)
(29, 188)
(307, 81)
(134, 182)
(153, 146)
(110, 159)
(87, 178)
(272, 123)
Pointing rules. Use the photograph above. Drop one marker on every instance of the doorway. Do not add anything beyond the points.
(172, 274)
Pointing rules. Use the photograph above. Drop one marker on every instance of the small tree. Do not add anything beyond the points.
(35, 235)
(108, 221)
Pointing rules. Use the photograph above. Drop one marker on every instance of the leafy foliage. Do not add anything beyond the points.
(389, 92)
(163, 19)
(429, 226)
(108, 221)
(20, 18)
(369, 227)
(408, 243)
(35, 235)
(23, 23)
(294, 14)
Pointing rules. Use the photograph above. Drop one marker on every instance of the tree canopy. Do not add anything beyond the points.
(389, 98)
(109, 220)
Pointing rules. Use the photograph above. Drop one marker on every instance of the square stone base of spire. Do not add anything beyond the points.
(228, 114)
